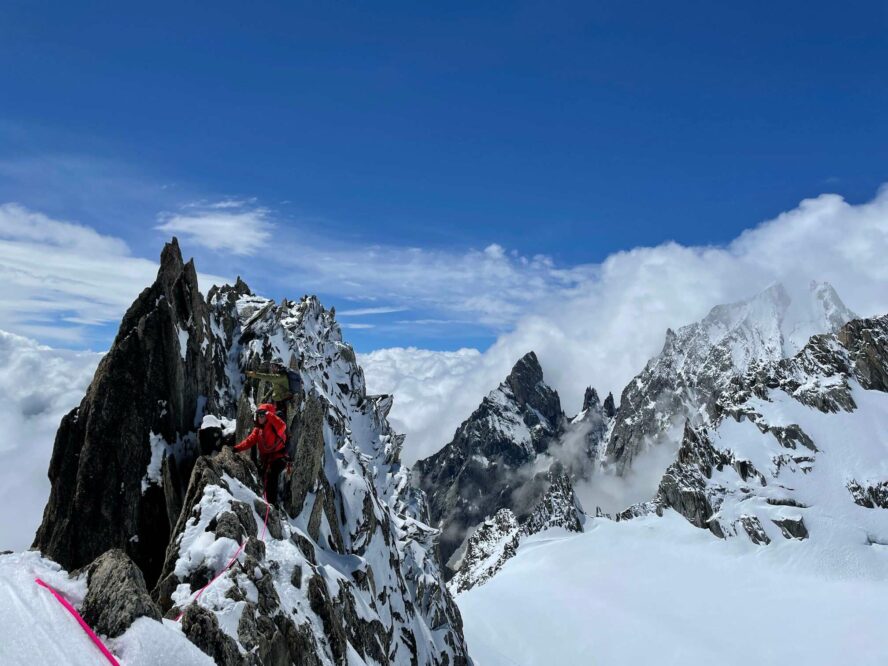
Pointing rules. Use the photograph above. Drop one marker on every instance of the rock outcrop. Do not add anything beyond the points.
(116, 595)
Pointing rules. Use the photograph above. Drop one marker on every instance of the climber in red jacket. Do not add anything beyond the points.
(270, 436)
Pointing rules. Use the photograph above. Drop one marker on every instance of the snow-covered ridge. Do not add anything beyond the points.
(344, 573)
(699, 361)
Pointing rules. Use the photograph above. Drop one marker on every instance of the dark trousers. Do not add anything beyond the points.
(271, 478)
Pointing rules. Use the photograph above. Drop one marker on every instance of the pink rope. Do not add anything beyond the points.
(83, 624)
(231, 561)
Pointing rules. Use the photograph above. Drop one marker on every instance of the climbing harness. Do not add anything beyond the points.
(95, 639)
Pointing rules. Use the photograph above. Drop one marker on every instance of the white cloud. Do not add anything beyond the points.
(368, 311)
(39, 385)
(422, 381)
(491, 287)
(234, 226)
(601, 323)
(61, 278)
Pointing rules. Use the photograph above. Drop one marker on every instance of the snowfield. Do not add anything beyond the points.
(36, 629)
(659, 590)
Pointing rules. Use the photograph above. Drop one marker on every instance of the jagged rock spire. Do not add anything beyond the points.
(610, 408)
(473, 476)
(591, 399)
(109, 470)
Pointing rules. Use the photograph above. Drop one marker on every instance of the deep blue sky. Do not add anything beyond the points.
(573, 130)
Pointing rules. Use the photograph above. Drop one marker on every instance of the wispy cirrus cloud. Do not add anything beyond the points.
(232, 226)
(62, 279)
(490, 287)
(357, 312)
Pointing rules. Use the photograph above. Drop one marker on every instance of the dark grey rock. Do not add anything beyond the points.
(143, 385)
(201, 627)
(754, 529)
(482, 469)
(610, 409)
(116, 595)
(792, 528)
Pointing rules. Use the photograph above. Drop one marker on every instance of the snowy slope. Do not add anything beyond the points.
(36, 629)
(657, 590)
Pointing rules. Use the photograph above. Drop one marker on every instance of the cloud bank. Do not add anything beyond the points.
(607, 320)
(39, 385)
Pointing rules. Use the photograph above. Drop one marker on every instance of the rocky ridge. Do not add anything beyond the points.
(496, 540)
(346, 572)
(491, 456)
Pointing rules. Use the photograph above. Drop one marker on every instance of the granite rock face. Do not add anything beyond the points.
(122, 459)
(488, 465)
(116, 595)
(341, 570)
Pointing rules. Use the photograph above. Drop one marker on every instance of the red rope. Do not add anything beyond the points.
(83, 624)
(232, 560)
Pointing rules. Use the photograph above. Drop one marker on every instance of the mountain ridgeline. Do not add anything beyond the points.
(512, 465)
(345, 573)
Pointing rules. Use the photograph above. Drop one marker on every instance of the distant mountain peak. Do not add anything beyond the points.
(699, 360)
(490, 456)
(590, 399)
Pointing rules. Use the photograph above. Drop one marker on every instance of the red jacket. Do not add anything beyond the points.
(271, 439)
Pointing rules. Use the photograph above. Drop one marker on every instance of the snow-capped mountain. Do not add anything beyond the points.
(797, 449)
(507, 472)
(344, 572)
(485, 483)
(699, 360)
